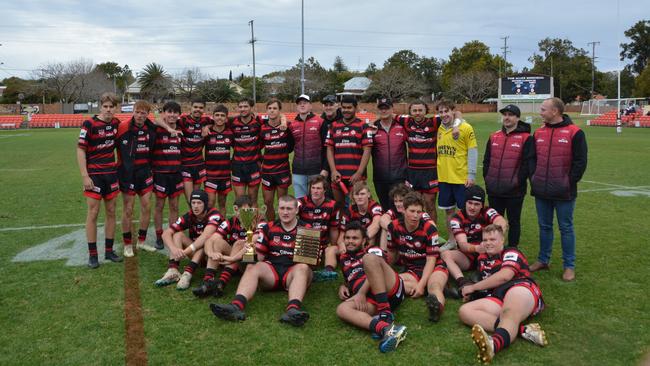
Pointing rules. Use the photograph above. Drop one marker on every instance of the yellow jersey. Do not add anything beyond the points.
(452, 154)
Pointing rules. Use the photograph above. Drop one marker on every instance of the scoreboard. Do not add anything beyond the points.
(526, 87)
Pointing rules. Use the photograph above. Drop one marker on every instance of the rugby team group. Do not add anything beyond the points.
(420, 162)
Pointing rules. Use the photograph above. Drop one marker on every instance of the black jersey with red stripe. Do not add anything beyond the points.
(166, 152)
(192, 140)
(247, 139)
(510, 258)
(217, 153)
(232, 230)
(352, 267)
(277, 145)
(191, 222)
(413, 247)
(135, 144)
(322, 217)
(351, 213)
(473, 228)
(97, 138)
(276, 243)
(421, 140)
(348, 141)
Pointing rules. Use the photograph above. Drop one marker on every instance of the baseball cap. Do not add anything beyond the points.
(303, 97)
(512, 109)
(384, 102)
(328, 99)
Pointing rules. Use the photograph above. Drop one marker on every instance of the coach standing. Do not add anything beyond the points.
(505, 168)
(559, 163)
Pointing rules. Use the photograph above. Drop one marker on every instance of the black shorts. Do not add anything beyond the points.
(167, 184)
(139, 182)
(195, 173)
(106, 186)
(423, 180)
(395, 294)
(498, 294)
(278, 180)
(218, 185)
(245, 174)
(281, 272)
(417, 271)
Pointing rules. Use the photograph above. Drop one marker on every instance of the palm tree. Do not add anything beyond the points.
(155, 83)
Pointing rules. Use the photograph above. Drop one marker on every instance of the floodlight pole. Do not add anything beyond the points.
(302, 57)
(593, 66)
(253, 46)
(619, 128)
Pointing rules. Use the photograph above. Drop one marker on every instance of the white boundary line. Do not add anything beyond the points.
(54, 226)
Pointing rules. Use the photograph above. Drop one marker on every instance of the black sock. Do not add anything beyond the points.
(126, 237)
(142, 235)
(108, 245)
(191, 267)
(295, 303)
(226, 275)
(92, 249)
(329, 268)
(378, 326)
(173, 264)
(240, 301)
(500, 339)
(209, 274)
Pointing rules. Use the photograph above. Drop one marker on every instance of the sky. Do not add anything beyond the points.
(215, 35)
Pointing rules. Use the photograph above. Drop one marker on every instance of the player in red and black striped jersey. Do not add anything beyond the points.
(247, 130)
(413, 242)
(96, 159)
(201, 222)
(167, 179)
(372, 289)
(319, 211)
(467, 227)
(135, 141)
(349, 146)
(276, 270)
(192, 142)
(218, 145)
(513, 296)
(277, 144)
(224, 248)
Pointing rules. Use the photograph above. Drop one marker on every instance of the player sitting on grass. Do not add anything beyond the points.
(276, 269)
(467, 227)
(225, 247)
(202, 222)
(372, 289)
(365, 210)
(413, 241)
(512, 297)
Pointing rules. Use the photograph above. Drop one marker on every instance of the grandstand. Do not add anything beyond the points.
(608, 119)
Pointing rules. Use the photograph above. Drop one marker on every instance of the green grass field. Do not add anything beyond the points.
(53, 313)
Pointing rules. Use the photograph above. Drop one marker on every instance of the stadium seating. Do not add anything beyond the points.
(609, 120)
(10, 122)
(50, 120)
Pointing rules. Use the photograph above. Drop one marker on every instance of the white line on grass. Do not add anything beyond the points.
(641, 188)
(49, 227)
(16, 135)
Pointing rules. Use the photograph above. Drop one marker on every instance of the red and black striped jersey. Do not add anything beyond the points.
(97, 138)
(351, 213)
(413, 247)
(352, 267)
(510, 258)
(231, 230)
(135, 144)
(277, 145)
(322, 217)
(217, 153)
(421, 141)
(166, 152)
(276, 243)
(192, 140)
(247, 138)
(348, 141)
(192, 223)
(473, 228)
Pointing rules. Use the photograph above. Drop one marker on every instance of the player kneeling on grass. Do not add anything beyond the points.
(372, 289)
(413, 241)
(201, 221)
(276, 269)
(225, 247)
(512, 296)
(467, 227)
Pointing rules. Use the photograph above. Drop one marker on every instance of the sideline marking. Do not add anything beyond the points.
(642, 188)
(15, 135)
(136, 345)
(58, 226)
(19, 169)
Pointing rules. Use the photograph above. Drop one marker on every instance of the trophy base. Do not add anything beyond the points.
(249, 258)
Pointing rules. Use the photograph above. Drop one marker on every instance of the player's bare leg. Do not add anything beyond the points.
(298, 281)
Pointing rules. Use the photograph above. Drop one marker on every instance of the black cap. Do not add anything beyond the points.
(200, 194)
(329, 99)
(475, 193)
(303, 97)
(351, 99)
(512, 109)
(384, 102)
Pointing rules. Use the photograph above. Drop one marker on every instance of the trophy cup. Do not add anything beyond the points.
(307, 247)
(249, 217)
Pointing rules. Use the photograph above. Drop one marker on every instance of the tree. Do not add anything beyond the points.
(370, 70)
(396, 83)
(73, 81)
(187, 80)
(339, 65)
(30, 90)
(473, 56)
(403, 59)
(642, 83)
(473, 86)
(569, 66)
(155, 83)
(261, 90)
(216, 91)
(607, 83)
(638, 49)
(430, 70)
